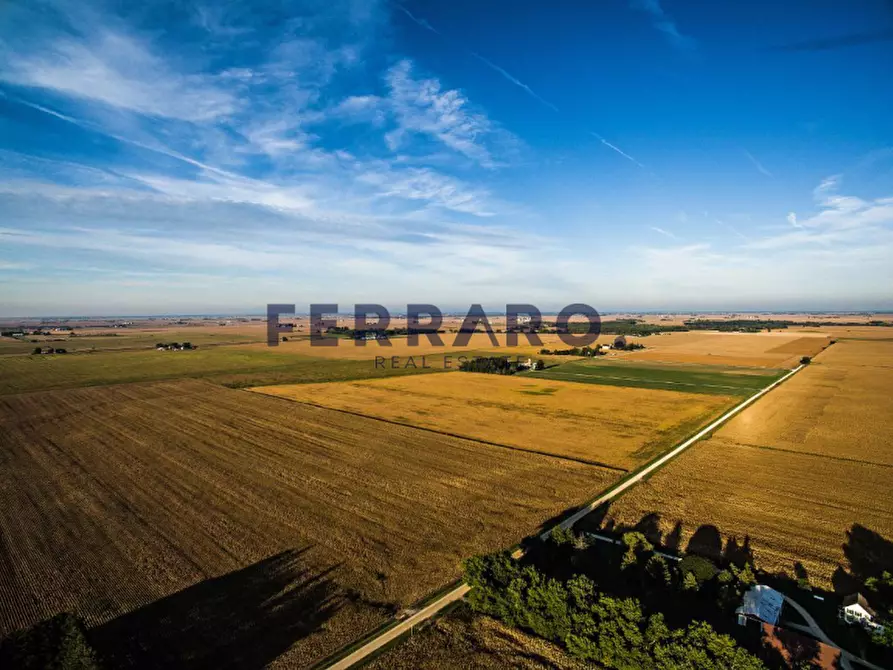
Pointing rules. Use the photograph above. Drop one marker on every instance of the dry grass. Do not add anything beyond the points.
(618, 426)
(208, 521)
(794, 472)
(464, 640)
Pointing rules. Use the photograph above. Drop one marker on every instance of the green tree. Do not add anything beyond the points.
(658, 570)
(637, 545)
(690, 582)
(562, 536)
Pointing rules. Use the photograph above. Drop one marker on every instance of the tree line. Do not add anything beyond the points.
(593, 624)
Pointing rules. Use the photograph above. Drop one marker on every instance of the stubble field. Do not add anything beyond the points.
(620, 427)
(185, 520)
(779, 349)
(798, 473)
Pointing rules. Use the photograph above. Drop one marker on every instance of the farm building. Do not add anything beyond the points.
(762, 603)
(620, 342)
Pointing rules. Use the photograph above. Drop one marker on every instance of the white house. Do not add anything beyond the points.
(855, 609)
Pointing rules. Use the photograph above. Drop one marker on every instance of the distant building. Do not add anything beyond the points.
(855, 609)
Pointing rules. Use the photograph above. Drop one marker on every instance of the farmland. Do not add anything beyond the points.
(463, 639)
(717, 380)
(230, 365)
(781, 349)
(621, 427)
(794, 475)
(136, 505)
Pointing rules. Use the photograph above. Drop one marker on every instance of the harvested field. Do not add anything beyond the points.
(742, 349)
(177, 515)
(841, 407)
(462, 639)
(795, 474)
(620, 427)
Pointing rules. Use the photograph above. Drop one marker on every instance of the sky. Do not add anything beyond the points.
(207, 157)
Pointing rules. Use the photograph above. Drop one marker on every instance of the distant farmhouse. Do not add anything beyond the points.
(855, 610)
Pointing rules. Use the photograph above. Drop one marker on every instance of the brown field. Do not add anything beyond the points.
(796, 473)
(618, 426)
(479, 342)
(181, 519)
(463, 640)
(778, 349)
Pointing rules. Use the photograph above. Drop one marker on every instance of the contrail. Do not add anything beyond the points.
(513, 79)
(617, 149)
(422, 22)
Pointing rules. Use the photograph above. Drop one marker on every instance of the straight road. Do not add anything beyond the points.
(394, 632)
(459, 592)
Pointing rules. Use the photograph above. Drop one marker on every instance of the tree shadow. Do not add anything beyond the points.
(784, 648)
(649, 526)
(706, 541)
(245, 619)
(739, 554)
(868, 553)
(674, 538)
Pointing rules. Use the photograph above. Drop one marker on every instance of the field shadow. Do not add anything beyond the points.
(244, 619)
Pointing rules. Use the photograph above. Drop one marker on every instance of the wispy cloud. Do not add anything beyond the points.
(120, 71)
(486, 61)
(842, 222)
(665, 233)
(423, 106)
(662, 22)
(757, 164)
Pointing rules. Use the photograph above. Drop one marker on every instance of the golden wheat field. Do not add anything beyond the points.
(182, 519)
(778, 349)
(793, 473)
(618, 426)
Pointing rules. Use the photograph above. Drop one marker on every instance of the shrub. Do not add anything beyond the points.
(56, 643)
(806, 360)
(702, 568)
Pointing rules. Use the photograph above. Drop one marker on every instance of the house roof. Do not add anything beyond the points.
(858, 599)
(761, 602)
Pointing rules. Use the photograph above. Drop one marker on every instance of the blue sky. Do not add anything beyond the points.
(186, 157)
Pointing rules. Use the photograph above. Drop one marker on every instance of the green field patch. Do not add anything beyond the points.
(233, 366)
(715, 380)
(546, 390)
